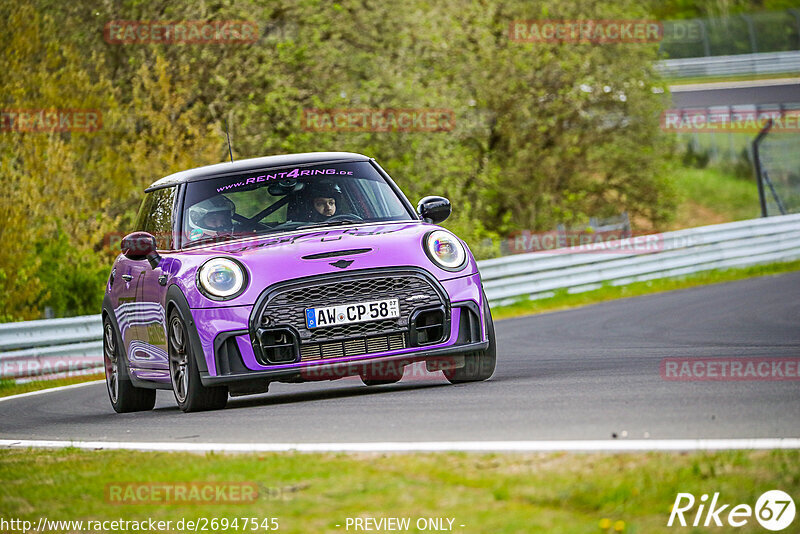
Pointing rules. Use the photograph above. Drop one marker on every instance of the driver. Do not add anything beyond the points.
(325, 206)
(322, 198)
(211, 218)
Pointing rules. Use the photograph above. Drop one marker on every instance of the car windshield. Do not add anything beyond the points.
(286, 199)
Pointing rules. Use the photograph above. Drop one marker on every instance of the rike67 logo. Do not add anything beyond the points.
(774, 510)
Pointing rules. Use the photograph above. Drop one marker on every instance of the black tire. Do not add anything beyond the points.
(480, 365)
(123, 395)
(190, 394)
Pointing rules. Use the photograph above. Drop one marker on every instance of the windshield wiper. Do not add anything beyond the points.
(322, 224)
(216, 239)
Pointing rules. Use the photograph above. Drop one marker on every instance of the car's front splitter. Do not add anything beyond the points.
(332, 370)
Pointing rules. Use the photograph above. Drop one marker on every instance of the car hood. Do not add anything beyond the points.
(275, 258)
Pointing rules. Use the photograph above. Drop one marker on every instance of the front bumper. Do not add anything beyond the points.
(235, 352)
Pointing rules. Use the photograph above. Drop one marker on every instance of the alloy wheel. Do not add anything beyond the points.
(178, 359)
(111, 362)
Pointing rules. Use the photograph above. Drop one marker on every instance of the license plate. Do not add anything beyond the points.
(359, 312)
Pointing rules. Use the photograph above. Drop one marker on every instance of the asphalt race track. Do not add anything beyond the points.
(591, 373)
(737, 93)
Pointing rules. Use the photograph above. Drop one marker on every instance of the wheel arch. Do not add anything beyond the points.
(176, 300)
(108, 312)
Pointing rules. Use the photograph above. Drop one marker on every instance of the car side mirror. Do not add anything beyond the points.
(434, 209)
(141, 246)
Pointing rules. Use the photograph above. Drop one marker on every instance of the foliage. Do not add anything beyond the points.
(545, 133)
(690, 9)
(696, 157)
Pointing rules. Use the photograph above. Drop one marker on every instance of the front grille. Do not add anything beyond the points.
(352, 347)
(336, 292)
(285, 306)
(356, 329)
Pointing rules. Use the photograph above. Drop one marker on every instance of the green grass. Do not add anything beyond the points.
(712, 196)
(562, 300)
(728, 78)
(554, 492)
(10, 387)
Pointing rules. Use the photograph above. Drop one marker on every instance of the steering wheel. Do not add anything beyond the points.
(344, 217)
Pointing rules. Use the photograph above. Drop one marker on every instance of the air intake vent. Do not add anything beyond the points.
(427, 326)
(336, 253)
(352, 347)
(278, 345)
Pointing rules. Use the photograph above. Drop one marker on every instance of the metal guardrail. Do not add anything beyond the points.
(56, 347)
(51, 347)
(742, 64)
(50, 332)
(694, 250)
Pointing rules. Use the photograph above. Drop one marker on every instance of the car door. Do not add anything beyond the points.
(126, 276)
(150, 351)
(126, 279)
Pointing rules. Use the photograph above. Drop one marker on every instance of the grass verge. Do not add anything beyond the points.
(713, 196)
(11, 387)
(728, 78)
(555, 492)
(562, 300)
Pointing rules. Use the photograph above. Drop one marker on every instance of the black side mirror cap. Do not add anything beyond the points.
(434, 209)
(141, 246)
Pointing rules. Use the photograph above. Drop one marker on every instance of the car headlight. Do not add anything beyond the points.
(445, 250)
(221, 278)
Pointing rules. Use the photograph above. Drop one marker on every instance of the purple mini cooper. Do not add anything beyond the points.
(290, 269)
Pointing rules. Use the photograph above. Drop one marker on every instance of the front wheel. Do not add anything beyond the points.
(478, 365)
(123, 395)
(190, 394)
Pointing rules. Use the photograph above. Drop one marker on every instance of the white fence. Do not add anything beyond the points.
(56, 347)
(742, 64)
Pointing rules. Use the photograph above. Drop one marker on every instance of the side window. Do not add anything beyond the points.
(141, 216)
(155, 217)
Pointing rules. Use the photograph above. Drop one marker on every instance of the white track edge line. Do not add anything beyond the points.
(428, 446)
(49, 390)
